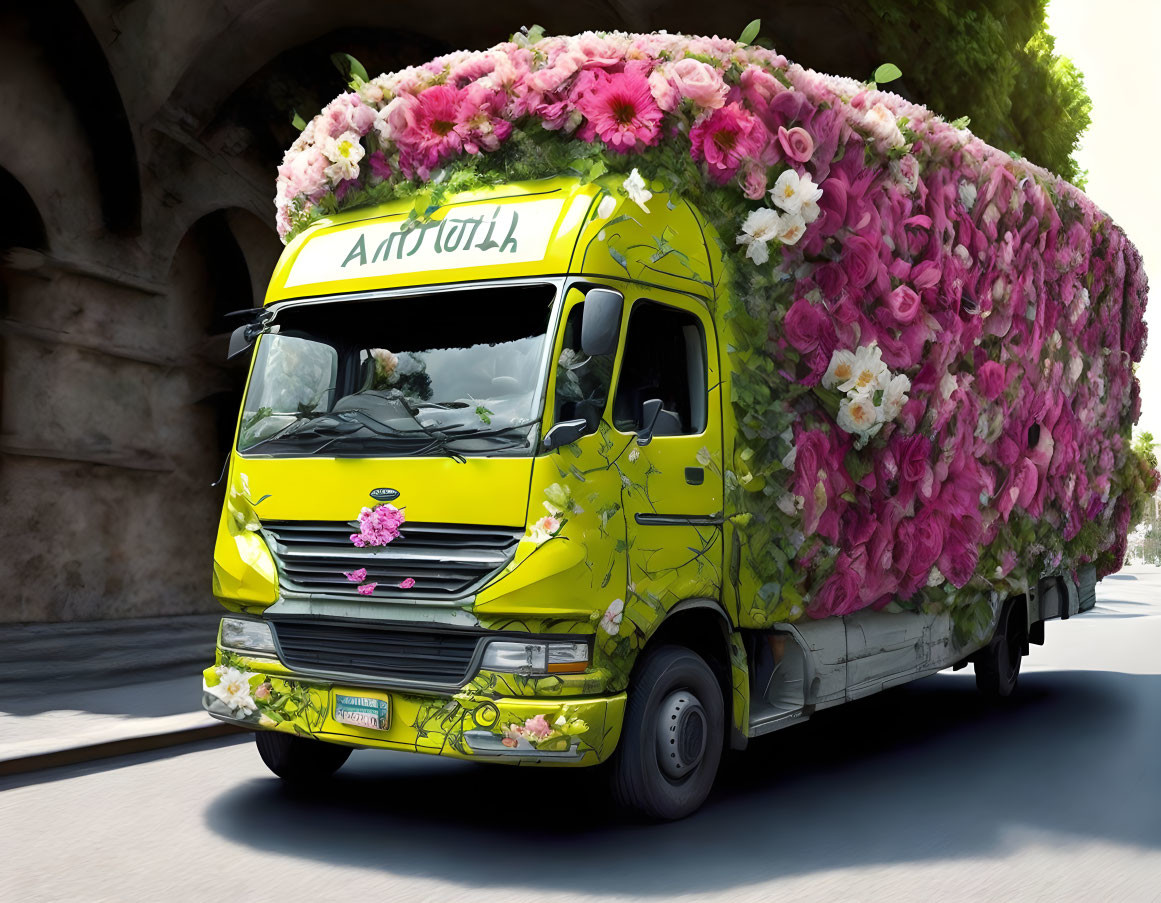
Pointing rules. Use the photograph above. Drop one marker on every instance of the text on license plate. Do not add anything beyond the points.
(362, 711)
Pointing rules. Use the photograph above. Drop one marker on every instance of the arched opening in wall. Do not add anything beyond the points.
(23, 243)
(211, 276)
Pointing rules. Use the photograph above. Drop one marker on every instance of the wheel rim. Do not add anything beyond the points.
(682, 731)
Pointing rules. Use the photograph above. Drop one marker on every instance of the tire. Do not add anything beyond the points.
(672, 737)
(298, 760)
(998, 664)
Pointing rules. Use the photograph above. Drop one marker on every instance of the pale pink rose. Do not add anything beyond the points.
(537, 727)
(698, 81)
(667, 96)
(263, 691)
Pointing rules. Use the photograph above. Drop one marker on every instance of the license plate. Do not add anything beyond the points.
(362, 711)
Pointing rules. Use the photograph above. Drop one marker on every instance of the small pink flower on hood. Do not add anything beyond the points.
(356, 576)
(407, 583)
(366, 589)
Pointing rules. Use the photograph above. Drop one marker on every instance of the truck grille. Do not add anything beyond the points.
(443, 559)
(362, 649)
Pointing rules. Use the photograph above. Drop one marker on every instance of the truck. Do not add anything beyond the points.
(524, 474)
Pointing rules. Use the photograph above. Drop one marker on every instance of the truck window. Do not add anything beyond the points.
(582, 381)
(665, 358)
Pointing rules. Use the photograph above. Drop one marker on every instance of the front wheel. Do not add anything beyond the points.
(299, 760)
(998, 663)
(672, 738)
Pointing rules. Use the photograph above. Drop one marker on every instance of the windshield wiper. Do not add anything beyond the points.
(295, 427)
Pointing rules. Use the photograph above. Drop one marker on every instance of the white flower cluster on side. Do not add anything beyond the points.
(875, 396)
(796, 199)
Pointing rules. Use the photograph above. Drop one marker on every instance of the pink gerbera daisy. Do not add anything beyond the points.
(425, 128)
(620, 109)
(726, 138)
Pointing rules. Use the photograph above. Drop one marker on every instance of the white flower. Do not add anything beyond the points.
(344, 152)
(790, 504)
(606, 207)
(1075, 365)
(947, 385)
(611, 619)
(634, 186)
(545, 528)
(842, 365)
(634, 454)
(234, 690)
(760, 227)
(895, 396)
(796, 194)
(935, 577)
(967, 194)
(857, 415)
(868, 372)
(793, 227)
(880, 122)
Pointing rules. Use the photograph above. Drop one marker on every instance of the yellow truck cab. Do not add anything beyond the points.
(478, 506)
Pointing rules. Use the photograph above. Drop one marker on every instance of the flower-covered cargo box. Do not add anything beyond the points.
(931, 342)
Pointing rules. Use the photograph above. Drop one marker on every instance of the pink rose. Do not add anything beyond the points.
(927, 542)
(807, 327)
(796, 142)
(862, 261)
(754, 185)
(759, 87)
(840, 593)
(667, 96)
(914, 455)
(992, 380)
(698, 81)
(960, 556)
(537, 727)
(904, 303)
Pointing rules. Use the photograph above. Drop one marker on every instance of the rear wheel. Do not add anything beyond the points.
(671, 741)
(299, 760)
(998, 664)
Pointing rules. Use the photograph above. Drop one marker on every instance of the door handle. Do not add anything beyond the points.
(695, 476)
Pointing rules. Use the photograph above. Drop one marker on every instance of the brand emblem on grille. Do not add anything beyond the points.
(385, 495)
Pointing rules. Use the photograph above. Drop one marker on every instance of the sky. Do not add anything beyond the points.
(1116, 44)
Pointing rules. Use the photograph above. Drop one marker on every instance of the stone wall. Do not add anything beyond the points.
(136, 183)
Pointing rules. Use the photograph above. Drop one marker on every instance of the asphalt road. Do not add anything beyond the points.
(921, 793)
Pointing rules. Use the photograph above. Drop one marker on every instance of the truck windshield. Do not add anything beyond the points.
(453, 372)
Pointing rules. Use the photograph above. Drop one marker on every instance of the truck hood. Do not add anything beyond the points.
(439, 490)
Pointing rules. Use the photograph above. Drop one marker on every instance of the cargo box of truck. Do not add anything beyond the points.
(628, 396)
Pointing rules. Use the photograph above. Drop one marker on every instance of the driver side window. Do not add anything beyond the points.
(582, 381)
(664, 359)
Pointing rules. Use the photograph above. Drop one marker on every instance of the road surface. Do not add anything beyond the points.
(922, 793)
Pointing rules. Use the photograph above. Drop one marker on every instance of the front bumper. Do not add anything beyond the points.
(473, 723)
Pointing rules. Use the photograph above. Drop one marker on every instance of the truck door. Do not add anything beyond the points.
(672, 485)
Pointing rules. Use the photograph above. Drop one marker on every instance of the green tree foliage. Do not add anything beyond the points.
(990, 60)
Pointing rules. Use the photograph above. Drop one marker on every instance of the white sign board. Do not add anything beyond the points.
(475, 235)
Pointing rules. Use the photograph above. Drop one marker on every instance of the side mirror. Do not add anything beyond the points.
(240, 341)
(650, 411)
(565, 433)
(601, 321)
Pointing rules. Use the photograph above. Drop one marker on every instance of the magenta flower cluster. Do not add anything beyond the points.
(378, 526)
(1005, 306)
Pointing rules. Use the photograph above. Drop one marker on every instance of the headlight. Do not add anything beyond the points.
(247, 636)
(535, 658)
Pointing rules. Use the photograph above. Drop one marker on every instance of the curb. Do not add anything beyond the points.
(112, 748)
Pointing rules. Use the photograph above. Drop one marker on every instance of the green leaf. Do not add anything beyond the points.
(888, 72)
(297, 121)
(484, 414)
(750, 32)
(350, 68)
